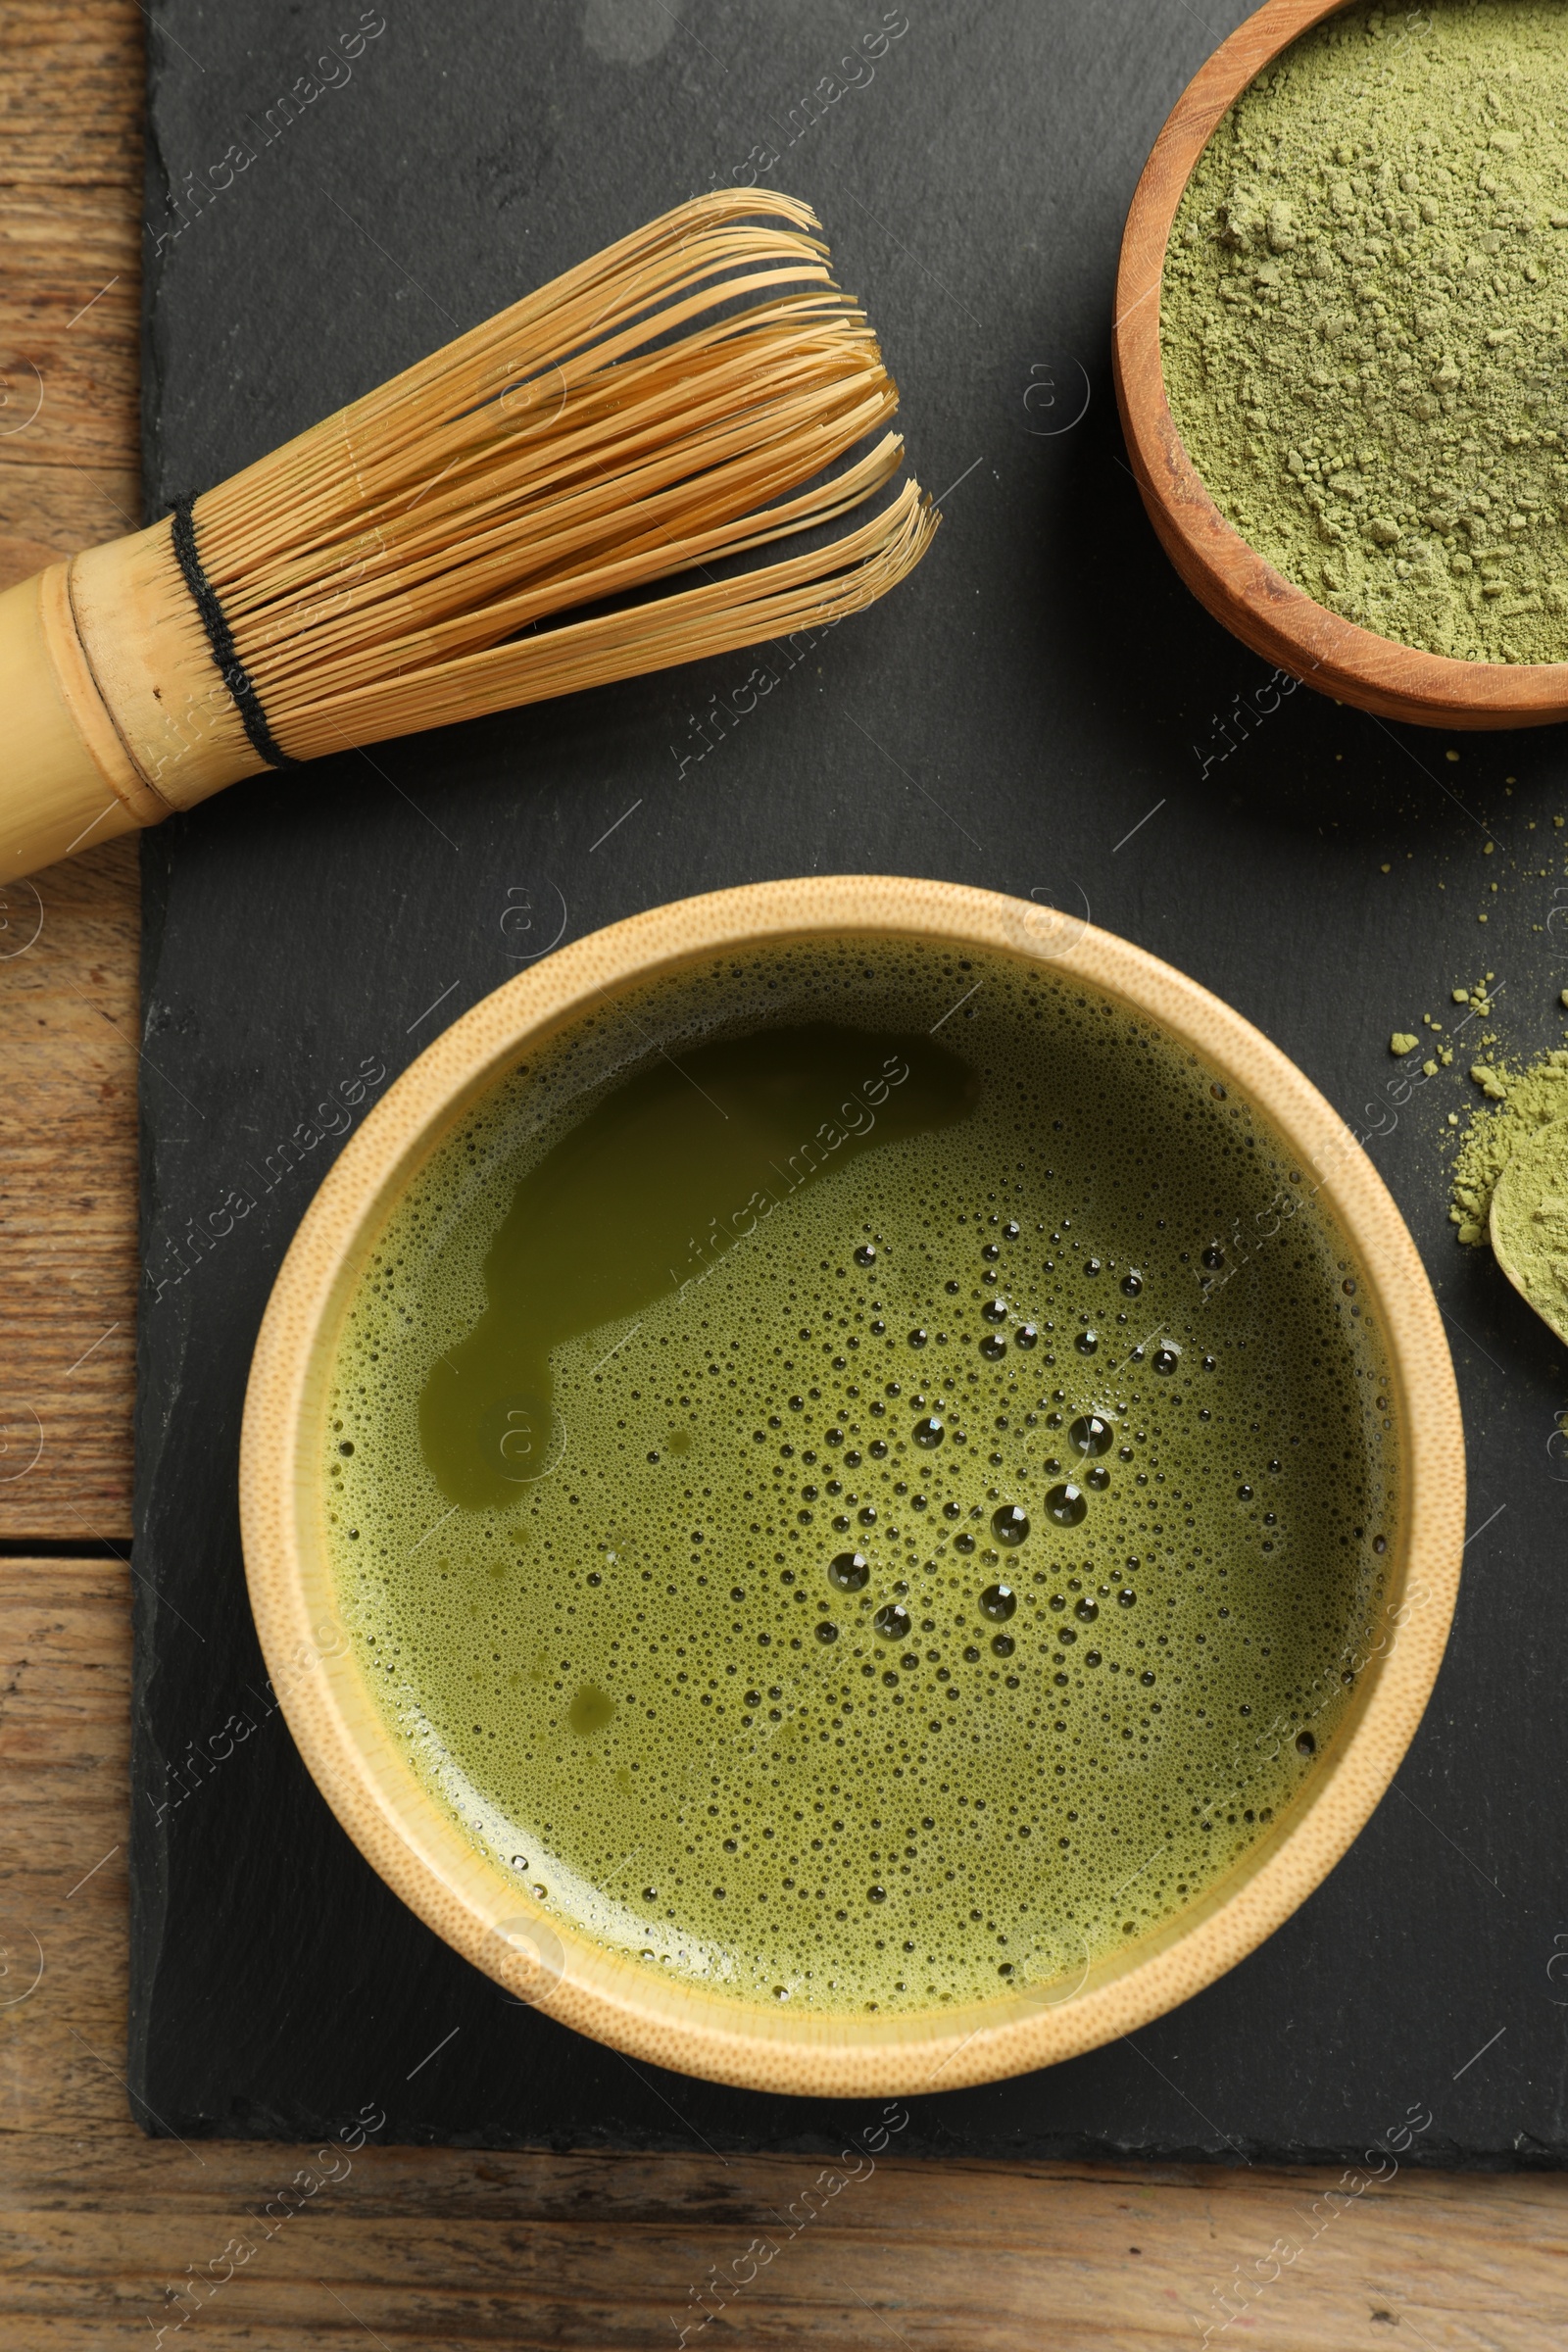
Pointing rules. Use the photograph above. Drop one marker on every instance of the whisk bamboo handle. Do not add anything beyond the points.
(113, 710)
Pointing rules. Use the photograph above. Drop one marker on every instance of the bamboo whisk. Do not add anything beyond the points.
(668, 406)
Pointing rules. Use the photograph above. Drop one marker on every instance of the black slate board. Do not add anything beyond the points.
(1042, 709)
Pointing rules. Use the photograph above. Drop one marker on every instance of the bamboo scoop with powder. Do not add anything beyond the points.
(484, 530)
(1529, 1222)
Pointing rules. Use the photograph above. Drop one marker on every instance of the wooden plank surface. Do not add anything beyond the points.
(104, 2233)
(67, 1197)
(70, 230)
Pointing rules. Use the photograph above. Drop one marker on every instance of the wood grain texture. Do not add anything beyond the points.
(100, 2227)
(67, 1197)
(70, 277)
(70, 187)
(1227, 575)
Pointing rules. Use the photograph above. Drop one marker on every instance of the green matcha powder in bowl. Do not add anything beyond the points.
(1364, 322)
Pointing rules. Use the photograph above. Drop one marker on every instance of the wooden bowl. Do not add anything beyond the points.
(359, 1765)
(1227, 575)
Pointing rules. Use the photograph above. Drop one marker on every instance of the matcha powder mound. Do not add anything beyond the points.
(1364, 322)
(1526, 1099)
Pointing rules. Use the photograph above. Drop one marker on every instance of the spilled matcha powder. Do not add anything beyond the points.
(1363, 322)
(1526, 1099)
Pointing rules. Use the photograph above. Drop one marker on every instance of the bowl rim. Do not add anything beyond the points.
(1227, 574)
(412, 1843)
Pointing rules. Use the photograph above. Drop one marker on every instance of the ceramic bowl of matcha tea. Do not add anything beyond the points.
(883, 1479)
(1341, 351)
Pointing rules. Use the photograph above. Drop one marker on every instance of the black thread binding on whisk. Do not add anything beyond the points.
(235, 676)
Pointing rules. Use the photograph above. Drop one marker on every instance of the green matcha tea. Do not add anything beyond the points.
(861, 1477)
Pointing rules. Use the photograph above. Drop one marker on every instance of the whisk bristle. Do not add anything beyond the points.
(675, 403)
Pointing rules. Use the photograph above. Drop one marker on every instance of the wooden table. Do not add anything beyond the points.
(100, 2226)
